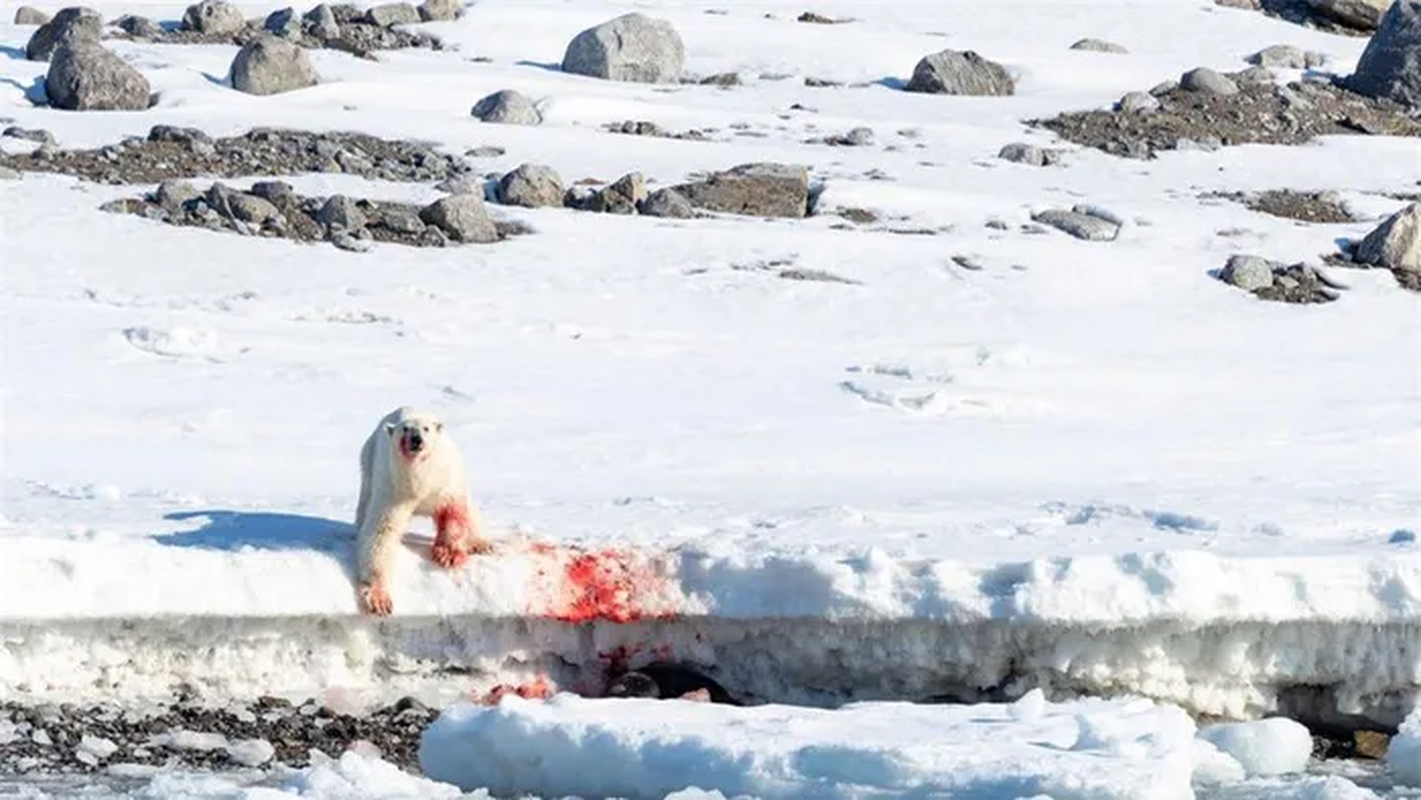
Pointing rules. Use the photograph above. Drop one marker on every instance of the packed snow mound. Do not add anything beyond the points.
(1265, 747)
(1403, 754)
(1098, 749)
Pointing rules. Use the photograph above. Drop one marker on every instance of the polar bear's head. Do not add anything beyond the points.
(415, 434)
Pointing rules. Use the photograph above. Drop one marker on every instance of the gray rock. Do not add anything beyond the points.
(284, 23)
(632, 47)
(667, 203)
(39, 135)
(440, 10)
(1254, 75)
(173, 193)
(960, 72)
(389, 15)
(268, 65)
(1280, 56)
(72, 24)
(321, 23)
(253, 209)
(461, 216)
(1023, 153)
(1138, 103)
(1098, 46)
(7, 174)
(1163, 88)
(1203, 79)
(622, 197)
(214, 17)
(29, 15)
(401, 220)
(1390, 66)
(278, 192)
(341, 213)
(139, 27)
(1395, 244)
(1248, 272)
(1082, 226)
(507, 107)
(531, 186)
(1360, 14)
(762, 190)
(83, 76)
(861, 136)
(1312, 59)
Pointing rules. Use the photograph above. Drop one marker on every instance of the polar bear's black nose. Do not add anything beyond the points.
(416, 441)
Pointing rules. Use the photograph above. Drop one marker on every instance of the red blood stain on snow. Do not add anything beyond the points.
(539, 688)
(607, 585)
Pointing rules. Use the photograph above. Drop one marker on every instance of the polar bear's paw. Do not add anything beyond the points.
(449, 554)
(375, 600)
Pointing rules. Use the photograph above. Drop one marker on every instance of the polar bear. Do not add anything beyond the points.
(408, 467)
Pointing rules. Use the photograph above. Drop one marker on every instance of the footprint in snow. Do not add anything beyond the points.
(177, 342)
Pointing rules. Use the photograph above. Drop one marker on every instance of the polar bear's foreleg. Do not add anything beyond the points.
(457, 534)
(377, 555)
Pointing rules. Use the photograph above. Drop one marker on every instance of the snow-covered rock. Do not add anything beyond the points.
(570, 745)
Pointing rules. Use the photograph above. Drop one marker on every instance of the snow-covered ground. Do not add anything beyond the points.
(1087, 466)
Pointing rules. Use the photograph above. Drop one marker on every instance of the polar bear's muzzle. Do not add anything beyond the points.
(411, 442)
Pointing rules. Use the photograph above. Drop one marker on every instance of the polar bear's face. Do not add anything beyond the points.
(415, 436)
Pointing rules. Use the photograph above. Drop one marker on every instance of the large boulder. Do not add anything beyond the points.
(632, 47)
(461, 216)
(507, 107)
(73, 24)
(388, 15)
(213, 17)
(1360, 14)
(667, 203)
(83, 76)
(761, 190)
(440, 10)
(960, 72)
(531, 185)
(1395, 244)
(271, 65)
(1390, 66)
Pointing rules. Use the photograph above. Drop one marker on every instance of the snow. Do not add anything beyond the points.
(1403, 754)
(251, 752)
(1085, 467)
(1082, 749)
(1263, 748)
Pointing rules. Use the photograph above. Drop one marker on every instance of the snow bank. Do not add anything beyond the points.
(643, 748)
(1403, 754)
(1265, 747)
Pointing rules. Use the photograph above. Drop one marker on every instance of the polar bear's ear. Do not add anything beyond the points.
(390, 428)
(438, 427)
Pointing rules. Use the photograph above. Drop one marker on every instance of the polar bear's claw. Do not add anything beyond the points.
(375, 600)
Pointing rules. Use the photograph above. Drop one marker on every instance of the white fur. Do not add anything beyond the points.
(394, 488)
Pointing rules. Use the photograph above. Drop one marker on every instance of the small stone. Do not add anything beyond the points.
(29, 15)
(39, 135)
(961, 73)
(253, 209)
(345, 240)
(1022, 153)
(389, 15)
(1203, 79)
(463, 217)
(440, 10)
(321, 23)
(856, 137)
(1164, 88)
(1098, 46)
(1401, 536)
(507, 107)
(341, 213)
(283, 23)
(139, 27)
(531, 186)
(1082, 226)
(1362, 15)
(667, 203)
(276, 192)
(269, 65)
(1371, 744)
(1137, 103)
(173, 193)
(760, 189)
(1279, 56)
(1248, 272)
(213, 17)
(632, 47)
(400, 219)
